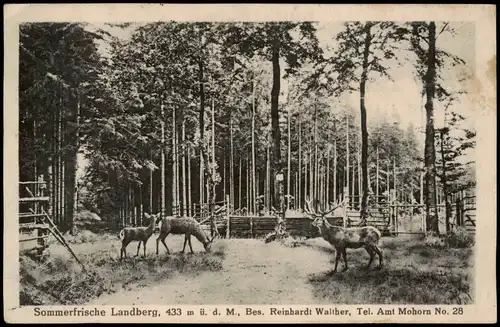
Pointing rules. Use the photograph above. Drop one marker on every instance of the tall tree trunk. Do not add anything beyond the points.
(353, 183)
(254, 208)
(321, 170)
(276, 164)
(388, 178)
(61, 162)
(224, 178)
(411, 189)
(126, 203)
(347, 160)
(306, 177)
(141, 206)
(249, 208)
(430, 151)
(50, 168)
(76, 149)
(444, 182)
(360, 186)
(335, 170)
(299, 186)
(151, 186)
(70, 162)
(57, 150)
(133, 204)
(364, 129)
(231, 163)
(163, 199)
(288, 170)
(201, 121)
(240, 186)
(202, 183)
(190, 188)
(327, 190)
(394, 179)
(268, 178)
(183, 153)
(377, 179)
(311, 176)
(175, 203)
(213, 153)
(316, 165)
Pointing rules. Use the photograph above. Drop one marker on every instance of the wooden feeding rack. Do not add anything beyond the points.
(36, 225)
(33, 229)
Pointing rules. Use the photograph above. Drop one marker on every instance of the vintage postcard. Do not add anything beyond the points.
(249, 163)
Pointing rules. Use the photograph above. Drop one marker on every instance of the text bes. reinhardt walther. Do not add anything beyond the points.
(308, 312)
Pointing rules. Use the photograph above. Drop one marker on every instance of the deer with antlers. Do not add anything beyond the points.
(346, 238)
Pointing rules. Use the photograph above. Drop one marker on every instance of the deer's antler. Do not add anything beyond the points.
(336, 205)
(308, 210)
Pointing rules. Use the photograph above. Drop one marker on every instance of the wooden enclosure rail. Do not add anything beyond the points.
(31, 215)
(32, 183)
(35, 199)
(34, 238)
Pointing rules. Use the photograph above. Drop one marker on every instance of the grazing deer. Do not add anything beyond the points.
(182, 225)
(141, 234)
(346, 238)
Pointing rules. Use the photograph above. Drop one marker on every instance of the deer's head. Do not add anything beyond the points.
(208, 245)
(319, 217)
(202, 236)
(151, 217)
(155, 217)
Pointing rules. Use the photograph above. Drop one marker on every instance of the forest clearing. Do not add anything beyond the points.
(282, 150)
(248, 271)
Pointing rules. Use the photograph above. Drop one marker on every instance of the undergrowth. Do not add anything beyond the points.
(56, 278)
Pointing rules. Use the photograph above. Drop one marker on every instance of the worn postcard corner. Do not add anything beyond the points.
(249, 163)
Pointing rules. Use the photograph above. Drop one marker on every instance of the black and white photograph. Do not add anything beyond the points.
(323, 163)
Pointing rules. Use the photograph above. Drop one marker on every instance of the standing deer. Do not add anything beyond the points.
(182, 225)
(346, 238)
(141, 234)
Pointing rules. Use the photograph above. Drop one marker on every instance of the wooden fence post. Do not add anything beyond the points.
(393, 214)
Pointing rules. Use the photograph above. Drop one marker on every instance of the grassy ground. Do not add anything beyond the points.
(58, 279)
(248, 271)
(414, 272)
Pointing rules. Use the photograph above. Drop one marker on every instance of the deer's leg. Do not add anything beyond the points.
(144, 246)
(165, 244)
(371, 252)
(185, 241)
(138, 247)
(161, 238)
(190, 246)
(379, 253)
(337, 258)
(123, 251)
(344, 254)
(157, 243)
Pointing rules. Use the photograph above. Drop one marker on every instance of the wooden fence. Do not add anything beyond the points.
(390, 219)
(260, 226)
